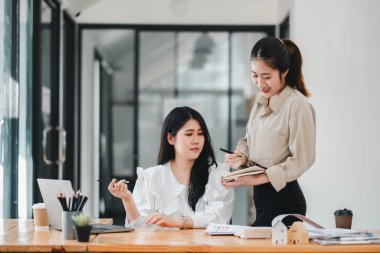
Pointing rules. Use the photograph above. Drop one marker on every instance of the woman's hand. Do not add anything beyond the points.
(162, 220)
(246, 181)
(235, 160)
(119, 189)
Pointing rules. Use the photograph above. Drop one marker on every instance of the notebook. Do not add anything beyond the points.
(50, 188)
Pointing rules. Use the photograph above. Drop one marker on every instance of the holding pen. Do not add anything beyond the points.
(230, 152)
(226, 151)
(105, 181)
(235, 160)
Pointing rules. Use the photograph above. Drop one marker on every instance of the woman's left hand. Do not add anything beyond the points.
(161, 220)
(246, 181)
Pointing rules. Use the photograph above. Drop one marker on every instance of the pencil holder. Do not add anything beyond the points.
(67, 224)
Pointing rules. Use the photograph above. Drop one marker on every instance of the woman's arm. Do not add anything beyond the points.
(302, 142)
(163, 220)
(219, 201)
(120, 190)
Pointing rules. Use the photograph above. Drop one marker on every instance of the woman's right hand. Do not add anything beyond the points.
(235, 160)
(119, 189)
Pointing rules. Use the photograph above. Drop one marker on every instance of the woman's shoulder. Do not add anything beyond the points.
(298, 102)
(153, 172)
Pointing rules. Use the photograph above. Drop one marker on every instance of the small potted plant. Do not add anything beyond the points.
(82, 227)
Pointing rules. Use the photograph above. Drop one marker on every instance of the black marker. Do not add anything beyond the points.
(226, 151)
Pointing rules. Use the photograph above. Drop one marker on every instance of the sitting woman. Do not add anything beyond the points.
(184, 190)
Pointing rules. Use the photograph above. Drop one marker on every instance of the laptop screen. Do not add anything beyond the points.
(49, 189)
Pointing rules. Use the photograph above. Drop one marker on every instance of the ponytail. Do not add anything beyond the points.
(283, 55)
(294, 77)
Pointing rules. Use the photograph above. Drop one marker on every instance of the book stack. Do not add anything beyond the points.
(342, 236)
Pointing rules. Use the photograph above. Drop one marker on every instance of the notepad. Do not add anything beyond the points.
(254, 170)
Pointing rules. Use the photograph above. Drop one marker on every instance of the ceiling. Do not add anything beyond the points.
(232, 12)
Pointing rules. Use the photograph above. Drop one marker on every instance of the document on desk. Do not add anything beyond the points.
(224, 229)
(245, 232)
(342, 236)
(345, 242)
(328, 233)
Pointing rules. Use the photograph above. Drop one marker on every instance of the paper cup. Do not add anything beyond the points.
(40, 216)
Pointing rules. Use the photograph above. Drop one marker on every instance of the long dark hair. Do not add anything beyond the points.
(175, 120)
(282, 55)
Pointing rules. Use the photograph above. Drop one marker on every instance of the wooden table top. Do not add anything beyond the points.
(20, 235)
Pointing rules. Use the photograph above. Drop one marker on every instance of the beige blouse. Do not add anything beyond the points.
(281, 136)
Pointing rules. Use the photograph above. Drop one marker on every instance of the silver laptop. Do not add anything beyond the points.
(50, 188)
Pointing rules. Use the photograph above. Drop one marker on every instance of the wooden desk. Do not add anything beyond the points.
(19, 235)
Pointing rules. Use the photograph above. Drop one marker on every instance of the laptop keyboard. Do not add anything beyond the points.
(106, 228)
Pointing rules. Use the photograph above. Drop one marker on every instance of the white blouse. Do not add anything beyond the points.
(157, 190)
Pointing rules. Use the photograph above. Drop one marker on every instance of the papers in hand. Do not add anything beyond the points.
(241, 231)
(254, 170)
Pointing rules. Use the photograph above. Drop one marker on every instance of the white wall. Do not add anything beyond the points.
(340, 44)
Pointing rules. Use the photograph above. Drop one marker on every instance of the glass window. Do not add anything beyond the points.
(156, 85)
(15, 109)
(2, 98)
(7, 106)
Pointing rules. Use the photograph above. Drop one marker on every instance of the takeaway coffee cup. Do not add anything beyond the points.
(343, 218)
(40, 216)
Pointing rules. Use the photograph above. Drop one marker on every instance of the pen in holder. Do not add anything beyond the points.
(72, 208)
(67, 224)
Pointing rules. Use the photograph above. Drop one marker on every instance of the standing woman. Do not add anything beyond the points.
(280, 133)
(184, 189)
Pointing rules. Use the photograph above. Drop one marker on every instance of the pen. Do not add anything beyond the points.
(230, 152)
(105, 181)
(226, 151)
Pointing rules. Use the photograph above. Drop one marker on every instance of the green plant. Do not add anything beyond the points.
(81, 220)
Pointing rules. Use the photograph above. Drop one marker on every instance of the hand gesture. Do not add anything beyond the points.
(161, 220)
(235, 160)
(246, 181)
(239, 181)
(119, 189)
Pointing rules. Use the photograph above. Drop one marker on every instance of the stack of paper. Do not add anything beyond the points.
(224, 229)
(241, 231)
(342, 236)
